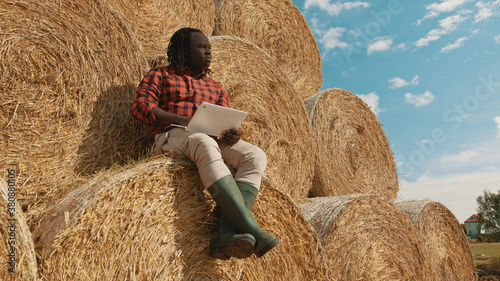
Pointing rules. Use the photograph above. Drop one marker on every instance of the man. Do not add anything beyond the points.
(170, 95)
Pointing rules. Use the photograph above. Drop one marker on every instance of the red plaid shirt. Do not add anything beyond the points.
(179, 94)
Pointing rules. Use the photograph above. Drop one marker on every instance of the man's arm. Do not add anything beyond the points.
(231, 136)
(164, 118)
(146, 98)
(223, 99)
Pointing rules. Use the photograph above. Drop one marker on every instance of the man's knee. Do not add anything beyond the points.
(256, 157)
(203, 141)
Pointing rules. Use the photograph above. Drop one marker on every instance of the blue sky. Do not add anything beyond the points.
(430, 70)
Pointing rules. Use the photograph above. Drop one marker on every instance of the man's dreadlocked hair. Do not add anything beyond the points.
(177, 48)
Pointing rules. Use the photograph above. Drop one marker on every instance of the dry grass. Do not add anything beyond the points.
(444, 242)
(153, 221)
(366, 238)
(354, 155)
(154, 22)
(279, 28)
(488, 249)
(66, 91)
(25, 267)
(277, 119)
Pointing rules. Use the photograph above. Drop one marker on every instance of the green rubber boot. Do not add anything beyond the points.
(228, 197)
(229, 242)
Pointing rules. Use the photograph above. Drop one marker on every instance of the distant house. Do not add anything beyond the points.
(473, 227)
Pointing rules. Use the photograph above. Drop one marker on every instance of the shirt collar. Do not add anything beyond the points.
(187, 71)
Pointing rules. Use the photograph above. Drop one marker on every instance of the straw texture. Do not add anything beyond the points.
(444, 242)
(366, 238)
(277, 119)
(155, 22)
(278, 27)
(354, 155)
(68, 73)
(15, 234)
(154, 221)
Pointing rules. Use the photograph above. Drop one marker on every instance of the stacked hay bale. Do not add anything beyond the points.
(445, 246)
(17, 254)
(155, 22)
(153, 221)
(68, 73)
(278, 27)
(277, 119)
(366, 238)
(67, 87)
(354, 155)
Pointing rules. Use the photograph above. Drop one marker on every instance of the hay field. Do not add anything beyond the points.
(445, 245)
(353, 153)
(277, 115)
(97, 207)
(66, 90)
(279, 28)
(17, 253)
(366, 238)
(154, 221)
(488, 249)
(154, 22)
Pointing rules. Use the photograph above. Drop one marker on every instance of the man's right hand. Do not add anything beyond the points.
(164, 118)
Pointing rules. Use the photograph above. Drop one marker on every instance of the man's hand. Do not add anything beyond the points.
(231, 136)
(164, 118)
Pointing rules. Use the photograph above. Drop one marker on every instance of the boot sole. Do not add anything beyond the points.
(268, 247)
(239, 248)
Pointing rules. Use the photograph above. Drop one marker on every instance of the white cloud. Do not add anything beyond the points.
(446, 26)
(458, 192)
(425, 40)
(486, 10)
(449, 24)
(484, 13)
(397, 82)
(379, 44)
(497, 39)
(315, 26)
(471, 58)
(332, 38)
(462, 157)
(401, 46)
(445, 6)
(335, 9)
(458, 43)
(372, 100)
(419, 100)
(472, 155)
(497, 120)
(465, 12)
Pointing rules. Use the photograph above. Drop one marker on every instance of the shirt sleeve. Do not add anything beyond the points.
(146, 97)
(223, 98)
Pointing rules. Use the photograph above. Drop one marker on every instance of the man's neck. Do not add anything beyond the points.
(195, 70)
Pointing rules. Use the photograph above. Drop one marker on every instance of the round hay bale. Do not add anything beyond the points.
(154, 221)
(445, 245)
(280, 29)
(353, 153)
(17, 253)
(277, 119)
(366, 238)
(155, 22)
(66, 89)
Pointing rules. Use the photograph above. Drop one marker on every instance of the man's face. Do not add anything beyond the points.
(199, 55)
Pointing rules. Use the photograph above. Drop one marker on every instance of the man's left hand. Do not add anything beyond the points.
(231, 136)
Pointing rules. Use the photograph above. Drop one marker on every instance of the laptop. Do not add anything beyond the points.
(212, 119)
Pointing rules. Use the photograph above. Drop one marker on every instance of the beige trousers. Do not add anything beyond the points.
(210, 156)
